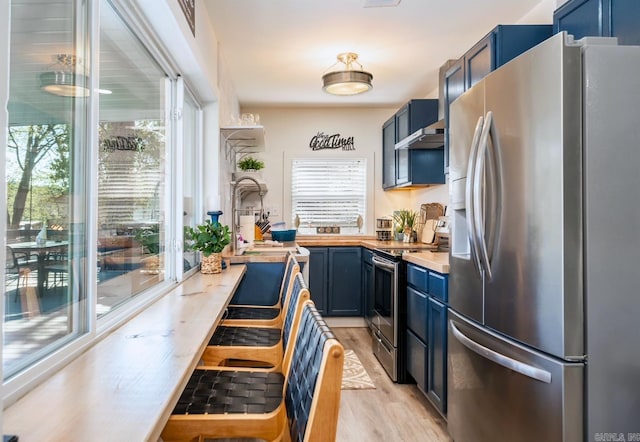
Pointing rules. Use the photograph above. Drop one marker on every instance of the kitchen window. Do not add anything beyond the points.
(94, 189)
(329, 193)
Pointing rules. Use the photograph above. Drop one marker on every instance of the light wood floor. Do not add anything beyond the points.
(390, 413)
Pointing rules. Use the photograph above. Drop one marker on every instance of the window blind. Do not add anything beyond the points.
(328, 192)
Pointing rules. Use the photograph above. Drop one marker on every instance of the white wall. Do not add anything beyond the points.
(541, 14)
(288, 132)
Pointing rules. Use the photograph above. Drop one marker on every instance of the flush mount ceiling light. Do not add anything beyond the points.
(347, 81)
(61, 78)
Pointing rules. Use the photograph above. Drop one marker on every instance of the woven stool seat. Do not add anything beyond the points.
(252, 313)
(221, 392)
(245, 336)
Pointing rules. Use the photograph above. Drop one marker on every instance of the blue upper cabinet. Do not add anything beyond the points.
(502, 44)
(409, 167)
(389, 153)
(600, 18)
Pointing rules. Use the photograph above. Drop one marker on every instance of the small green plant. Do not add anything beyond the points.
(208, 238)
(250, 163)
(404, 218)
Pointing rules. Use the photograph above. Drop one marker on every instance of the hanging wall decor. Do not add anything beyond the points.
(335, 141)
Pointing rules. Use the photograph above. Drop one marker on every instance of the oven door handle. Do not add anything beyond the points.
(377, 262)
(381, 341)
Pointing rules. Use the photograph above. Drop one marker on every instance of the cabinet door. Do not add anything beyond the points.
(403, 123)
(417, 360)
(318, 259)
(479, 60)
(579, 18)
(260, 285)
(345, 279)
(437, 349)
(389, 153)
(624, 16)
(453, 88)
(417, 313)
(367, 285)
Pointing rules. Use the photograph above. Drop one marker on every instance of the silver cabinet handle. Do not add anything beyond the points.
(512, 364)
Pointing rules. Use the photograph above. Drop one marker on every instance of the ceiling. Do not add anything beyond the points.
(276, 51)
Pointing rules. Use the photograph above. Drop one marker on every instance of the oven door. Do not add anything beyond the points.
(385, 286)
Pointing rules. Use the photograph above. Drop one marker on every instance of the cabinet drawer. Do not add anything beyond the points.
(417, 313)
(417, 357)
(438, 285)
(418, 277)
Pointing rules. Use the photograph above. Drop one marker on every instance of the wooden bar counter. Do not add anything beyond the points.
(125, 387)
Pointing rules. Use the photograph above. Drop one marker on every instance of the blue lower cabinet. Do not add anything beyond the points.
(437, 344)
(260, 284)
(318, 269)
(427, 295)
(417, 313)
(335, 280)
(417, 360)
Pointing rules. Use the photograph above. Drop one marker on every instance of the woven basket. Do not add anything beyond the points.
(211, 264)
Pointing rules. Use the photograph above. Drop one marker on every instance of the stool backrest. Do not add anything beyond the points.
(299, 294)
(314, 379)
(291, 269)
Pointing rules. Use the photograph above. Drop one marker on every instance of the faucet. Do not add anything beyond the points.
(234, 222)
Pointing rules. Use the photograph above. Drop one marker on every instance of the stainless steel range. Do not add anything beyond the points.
(387, 318)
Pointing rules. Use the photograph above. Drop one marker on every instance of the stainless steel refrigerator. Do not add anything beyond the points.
(544, 288)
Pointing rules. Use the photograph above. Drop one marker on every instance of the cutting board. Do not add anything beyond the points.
(429, 231)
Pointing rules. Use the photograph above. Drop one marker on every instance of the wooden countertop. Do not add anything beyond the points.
(125, 386)
(436, 261)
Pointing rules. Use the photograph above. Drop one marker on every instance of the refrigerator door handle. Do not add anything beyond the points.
(473, 239)
(478, 193)
(507, 362)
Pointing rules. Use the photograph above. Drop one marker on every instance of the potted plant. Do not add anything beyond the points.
(210, 239)
(250, 164)
(405, 220)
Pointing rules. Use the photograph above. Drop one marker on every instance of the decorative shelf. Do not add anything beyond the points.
(242, 139)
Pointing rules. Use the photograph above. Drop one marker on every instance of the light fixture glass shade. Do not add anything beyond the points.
(65, 84)
(62, 80)
(348, 81)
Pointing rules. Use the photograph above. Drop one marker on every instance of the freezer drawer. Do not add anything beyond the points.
(524, 395)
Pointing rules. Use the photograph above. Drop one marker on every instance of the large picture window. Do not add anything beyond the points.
(132, 152)
(90, 180)
(46, 182)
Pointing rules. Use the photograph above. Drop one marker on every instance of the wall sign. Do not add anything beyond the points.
(335, 141)
(189, 10)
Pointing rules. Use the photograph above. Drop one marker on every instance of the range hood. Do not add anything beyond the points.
(430, 137)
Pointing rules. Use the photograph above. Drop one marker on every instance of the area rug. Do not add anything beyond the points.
(354, 376)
